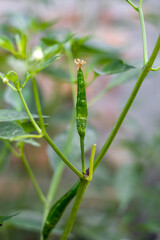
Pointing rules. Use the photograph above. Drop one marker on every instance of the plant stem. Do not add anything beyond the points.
(81, 190)
(11, 86)
(26, 136)
(128, 104)
(32, 177)
(82, 154)
(71, 70)
(52, 144)
(29, 113)
(143, 30)
(58, 173)
(155, 69)
(4, 151)
(38, 105)
(9, 146)
(91, 162)
(53, 188)
(132, 4)
(140, 3)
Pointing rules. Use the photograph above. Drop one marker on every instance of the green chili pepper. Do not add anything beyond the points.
(57, 210)
(81, 108)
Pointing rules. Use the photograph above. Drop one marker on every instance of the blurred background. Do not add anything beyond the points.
(123, 200)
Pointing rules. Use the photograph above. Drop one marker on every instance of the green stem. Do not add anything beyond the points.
(155, 69)
(26, 136)
(99, 96)
(132, 4)
(58, 173)
(3, 155)
(144, 39)
(11, 86)
(82, 154)
(81, 190)
(140, 3)
(60, 154)
(128, 104)
(32, 177)
(71, 70)
(9, 146)
(53, 188)
(29, 113)
(91, 162)
(38, 105)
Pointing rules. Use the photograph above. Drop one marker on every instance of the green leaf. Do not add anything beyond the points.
(21, 42)
(123, 78)
(117, 80)
(39, 25)
(49, 41)
(6, 44)
(27, 220)
(6, 218)
(57, 210)
(30, 220)
(10, 130)
(92, 46)
(114, 66)
(127, 182)
(38, 66)
(76, 44)
(43, 64)
(9, 115)
(13, 77)
(58, 74)
(74, 152)
(151, 226)
(13, 99)
(28, 126)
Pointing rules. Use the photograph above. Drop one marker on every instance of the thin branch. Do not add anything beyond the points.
(132, 4)
(128, 104)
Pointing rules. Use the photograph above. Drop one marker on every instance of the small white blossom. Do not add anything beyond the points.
(38, 54)
(5, 80)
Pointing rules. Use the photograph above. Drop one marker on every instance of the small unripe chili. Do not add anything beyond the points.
(81, 108)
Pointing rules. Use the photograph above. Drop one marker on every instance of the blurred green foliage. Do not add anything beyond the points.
(123, 202)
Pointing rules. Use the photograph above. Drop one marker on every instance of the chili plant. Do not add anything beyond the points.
(18, 128)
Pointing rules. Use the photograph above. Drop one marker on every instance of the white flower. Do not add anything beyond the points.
(38, 54)
(5, 80)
